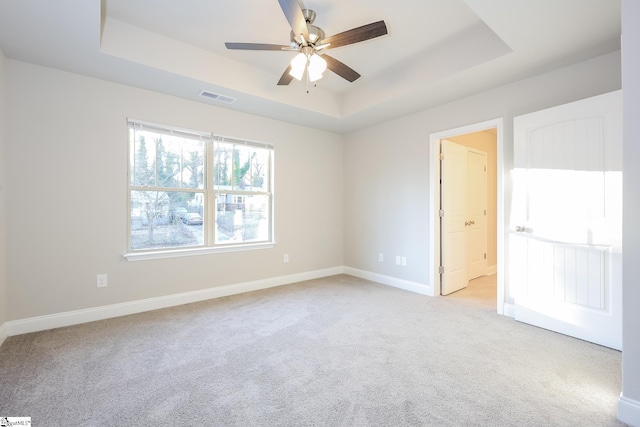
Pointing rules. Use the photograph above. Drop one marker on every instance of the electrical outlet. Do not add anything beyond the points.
(101, 280)
(381, 257)
(398, 260)
(286, 257)
(404, 261)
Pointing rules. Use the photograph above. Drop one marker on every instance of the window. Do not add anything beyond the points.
(191, 189)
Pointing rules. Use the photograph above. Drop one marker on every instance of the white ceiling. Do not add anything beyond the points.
(436, 50)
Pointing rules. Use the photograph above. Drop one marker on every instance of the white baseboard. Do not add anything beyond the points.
(509, 310)
(41, 323)
(4, 332)
(407, 285)
(629, 411)
(492, 269)
(68, 318)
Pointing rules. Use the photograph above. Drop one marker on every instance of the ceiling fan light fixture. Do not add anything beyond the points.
(309, 39)
(317, 66)
(298, 64)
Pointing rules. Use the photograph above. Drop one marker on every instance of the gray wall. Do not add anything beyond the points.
(631, 241)
(387, 166)
(66, 138)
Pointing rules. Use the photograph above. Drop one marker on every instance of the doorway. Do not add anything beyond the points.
(491, 141)
(465, 211)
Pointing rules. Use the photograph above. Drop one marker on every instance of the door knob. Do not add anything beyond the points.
(520, 228)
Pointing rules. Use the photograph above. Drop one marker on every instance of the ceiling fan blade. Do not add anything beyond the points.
(293, 13)
(256, 46)
(286, 78)
(341, 69)
(355, 35)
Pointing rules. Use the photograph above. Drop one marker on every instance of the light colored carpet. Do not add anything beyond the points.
(338, 351)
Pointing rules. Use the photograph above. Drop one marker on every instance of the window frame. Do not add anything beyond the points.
(209, 190)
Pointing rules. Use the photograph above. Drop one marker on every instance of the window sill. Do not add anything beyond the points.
(175, 253)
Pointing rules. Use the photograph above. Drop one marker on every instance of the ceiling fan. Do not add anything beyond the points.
(311, 43)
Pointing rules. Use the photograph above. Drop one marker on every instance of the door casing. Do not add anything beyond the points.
(434, 200)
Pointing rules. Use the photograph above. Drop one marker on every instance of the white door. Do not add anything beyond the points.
(565, 265)
(476, 220)
(453, 194)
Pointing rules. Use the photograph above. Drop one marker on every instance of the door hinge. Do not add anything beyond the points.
(485, 256)
(441, 213)
(441, 156)
(441, 270)
(485, 168)
(485, 211)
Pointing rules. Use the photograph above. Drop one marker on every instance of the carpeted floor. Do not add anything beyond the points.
(337, 351)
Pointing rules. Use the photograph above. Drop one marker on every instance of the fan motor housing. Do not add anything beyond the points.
(315, 35)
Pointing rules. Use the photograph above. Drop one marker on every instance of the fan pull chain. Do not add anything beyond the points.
(309, 81)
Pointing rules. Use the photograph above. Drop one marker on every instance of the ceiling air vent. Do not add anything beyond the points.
(217, 97)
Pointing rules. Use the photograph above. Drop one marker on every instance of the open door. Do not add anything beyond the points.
(565, 243)
(476, 213)
(453, 214)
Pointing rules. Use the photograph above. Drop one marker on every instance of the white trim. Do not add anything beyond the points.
(509, 310)
(628, 411)
(142, 125)
(174, 253)
(407, 285)
(4, 332)
(434, 178)
(41, 323)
